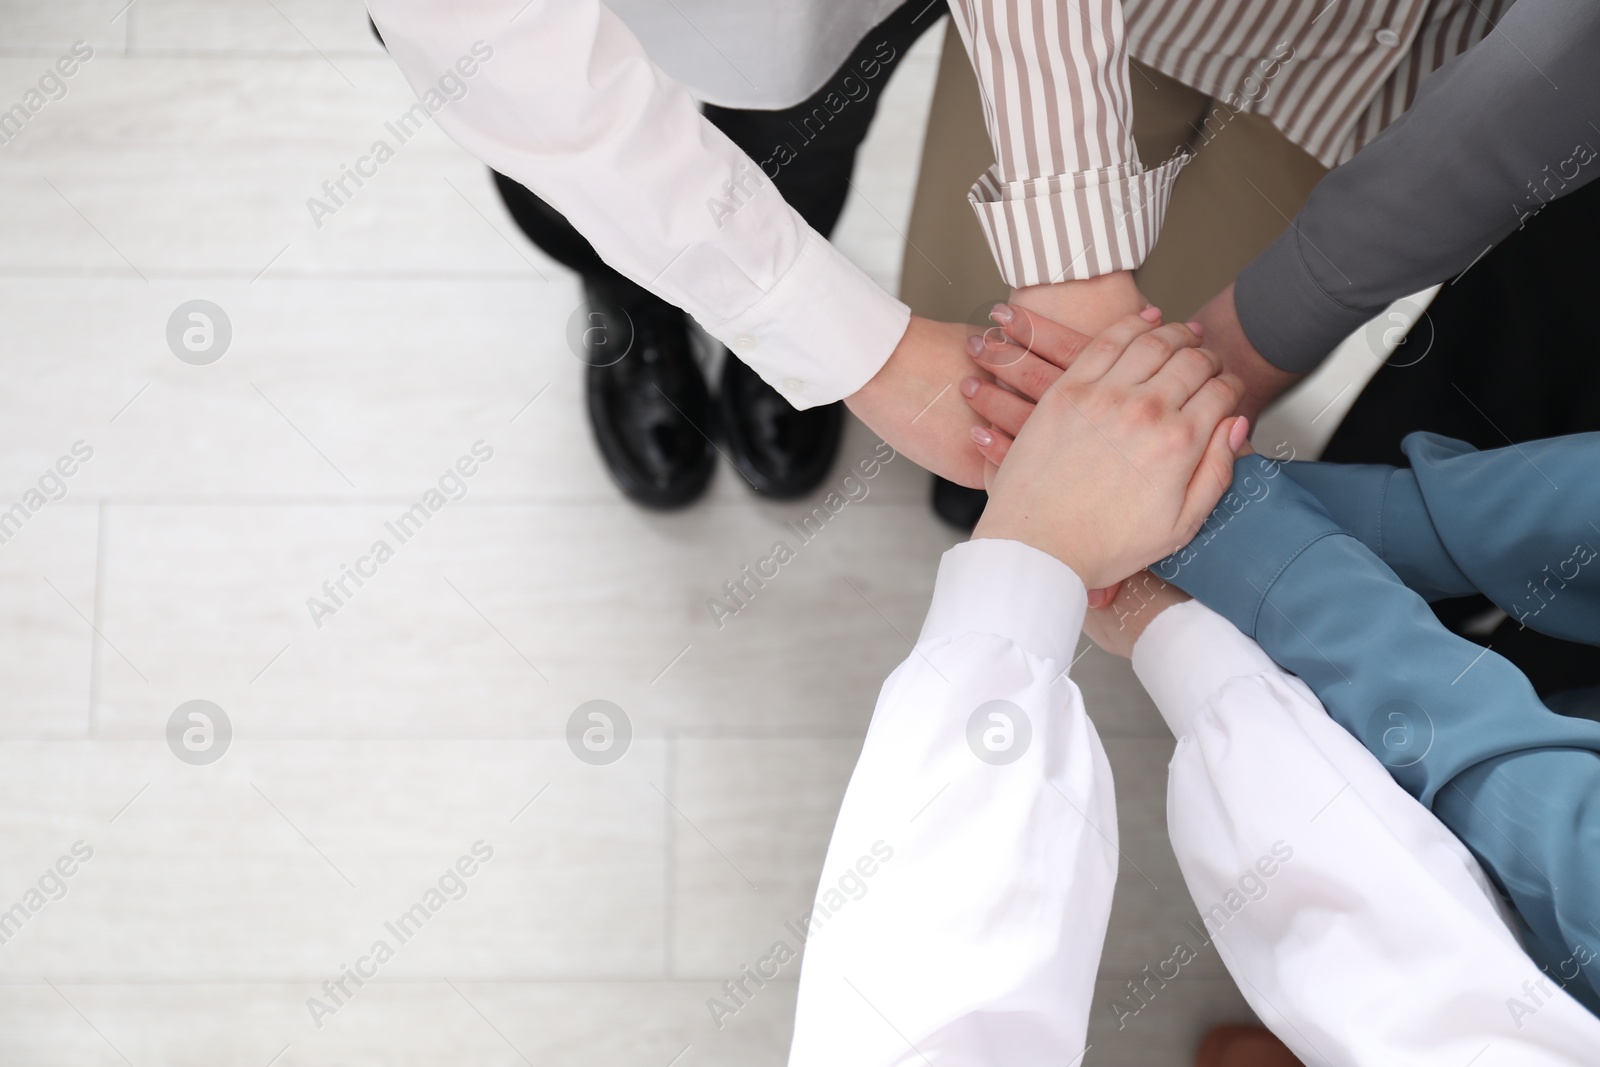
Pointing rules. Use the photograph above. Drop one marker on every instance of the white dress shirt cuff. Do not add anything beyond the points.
(1187, 654)
(1073, 226)
(1011, 590)
(822, 332)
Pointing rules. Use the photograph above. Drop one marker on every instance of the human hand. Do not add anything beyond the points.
(1118, 625)
(1030, 348)
(1026, 354)
(1124, 456)
(914, 402)
(1039, 332)
(1262, 382)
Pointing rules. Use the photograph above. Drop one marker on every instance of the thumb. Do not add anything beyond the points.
(1103, 598)
(1212, 477)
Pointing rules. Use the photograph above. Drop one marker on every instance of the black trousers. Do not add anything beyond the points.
(808, 150)
(1511, 356)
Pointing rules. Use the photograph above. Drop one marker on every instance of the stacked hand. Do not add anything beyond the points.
(915, 405)
(1128, 442)
(914, 402)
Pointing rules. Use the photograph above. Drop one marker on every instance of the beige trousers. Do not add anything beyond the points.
(1245, 183)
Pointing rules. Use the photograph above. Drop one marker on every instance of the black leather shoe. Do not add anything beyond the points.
(956, 504)
(648, 402)
(783, 453)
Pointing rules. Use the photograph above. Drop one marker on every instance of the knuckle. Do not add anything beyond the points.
(1034, 380)
(1174, 335)
(1000, 356)
(1104, 347)
(1196, 361)
(1223, 391)
(1153, 342)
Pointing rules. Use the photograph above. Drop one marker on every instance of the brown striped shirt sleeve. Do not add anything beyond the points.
(1067, 197)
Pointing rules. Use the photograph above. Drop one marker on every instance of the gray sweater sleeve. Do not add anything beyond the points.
(1504, 127)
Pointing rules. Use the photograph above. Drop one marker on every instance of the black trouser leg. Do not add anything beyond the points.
(560, 240)
(807, 150)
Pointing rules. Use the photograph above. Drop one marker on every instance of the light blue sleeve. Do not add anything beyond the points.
(1520, 524)
(1457, 725)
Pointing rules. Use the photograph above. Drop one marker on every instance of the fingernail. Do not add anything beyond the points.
(982, 436)
(1151, 314)
(975, 345)
(1001, 314)
(969, 387)
(1198, 329)
(1237, 435)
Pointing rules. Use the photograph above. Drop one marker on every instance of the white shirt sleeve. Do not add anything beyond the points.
(964, 898)
(1356, 925)
(562, 97)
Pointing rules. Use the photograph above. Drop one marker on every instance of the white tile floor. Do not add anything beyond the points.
(429, 712)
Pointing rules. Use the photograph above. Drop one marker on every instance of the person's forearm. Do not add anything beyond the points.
(968, 882)
(1067, 198)
(1274, 563)
(1382, 507)
(1520, 524)
(1492, 135)
(563, 98)
(1304, 857)
(1457, 726)
(1262, 382)
(1088, 305)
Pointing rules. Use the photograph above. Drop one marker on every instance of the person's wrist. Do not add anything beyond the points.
(1225, 336)
(1141, 600)
(1088, 305)
(915, 405)
(999, 522)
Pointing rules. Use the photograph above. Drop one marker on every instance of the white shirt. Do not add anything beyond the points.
(1374, 939)
(756, 54)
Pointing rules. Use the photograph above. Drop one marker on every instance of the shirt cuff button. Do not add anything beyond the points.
(744, 343)
(1388, 38)
(793, 385)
